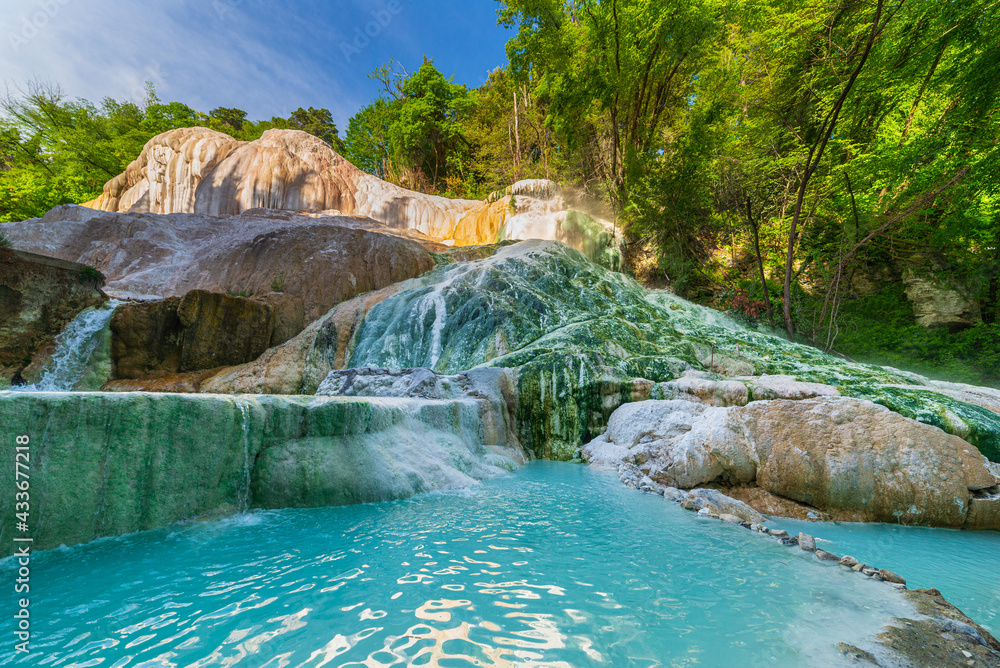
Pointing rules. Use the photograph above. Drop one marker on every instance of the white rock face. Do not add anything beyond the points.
(706, 391)
(847, 457)
(786, 387)
(198, 170)
(985, 397)
(676, 443)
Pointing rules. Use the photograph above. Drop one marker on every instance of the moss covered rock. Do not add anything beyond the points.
(109, 464)
(582, 340)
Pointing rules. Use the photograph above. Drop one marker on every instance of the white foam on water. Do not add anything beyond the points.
(74, 347)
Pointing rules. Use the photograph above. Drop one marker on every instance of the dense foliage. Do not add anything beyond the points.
(795, 162)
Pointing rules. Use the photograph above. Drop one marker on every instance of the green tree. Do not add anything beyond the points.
(228, 118)
(615, 74)
(366, 143)
(317, 122)
(414, 134)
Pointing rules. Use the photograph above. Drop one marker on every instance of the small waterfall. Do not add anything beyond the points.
(74, 348)
(243, 502)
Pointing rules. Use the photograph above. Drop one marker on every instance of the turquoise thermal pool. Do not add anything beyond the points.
(963, 565)
(555, 565)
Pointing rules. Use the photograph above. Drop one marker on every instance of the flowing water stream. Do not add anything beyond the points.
(75, 348)
(555, 565)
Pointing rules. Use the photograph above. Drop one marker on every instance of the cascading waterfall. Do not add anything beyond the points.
(74, 348)
(244, 492)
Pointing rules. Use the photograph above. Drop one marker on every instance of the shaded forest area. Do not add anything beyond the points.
(828, 168)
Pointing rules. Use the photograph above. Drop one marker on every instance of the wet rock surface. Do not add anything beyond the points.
(202, 330)
(304, 263)
(120, 463)
(39, 297)
(945, 637)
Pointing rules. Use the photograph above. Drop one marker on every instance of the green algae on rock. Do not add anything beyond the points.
(110, 464)
(582, 340)
(579, 335)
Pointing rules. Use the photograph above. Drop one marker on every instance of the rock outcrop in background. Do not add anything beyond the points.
(197, 170)
(936, 305)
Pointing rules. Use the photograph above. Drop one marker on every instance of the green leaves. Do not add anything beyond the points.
(415, 134)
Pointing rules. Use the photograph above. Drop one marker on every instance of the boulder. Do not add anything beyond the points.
(145, 339)
(39, 297)
(840, 454)
(719, 504)
(202, 330)
(984, 512)
(222, 330)
(848, 458)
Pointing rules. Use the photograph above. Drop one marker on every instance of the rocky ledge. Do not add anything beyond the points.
(848, 459)
(39, 297)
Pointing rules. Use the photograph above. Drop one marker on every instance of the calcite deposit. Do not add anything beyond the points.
(197, 170)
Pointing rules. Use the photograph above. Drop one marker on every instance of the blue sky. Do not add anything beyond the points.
(265, 57)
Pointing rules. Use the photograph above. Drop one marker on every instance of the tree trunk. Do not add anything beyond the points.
(760, 262)
(816, 155)
(517, 131)
(991, 314)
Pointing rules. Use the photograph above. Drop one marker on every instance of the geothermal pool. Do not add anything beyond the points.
(964, 565)
(554, 565)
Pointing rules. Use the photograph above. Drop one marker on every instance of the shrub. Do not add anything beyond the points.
(739, 301)
(882, 329)
(90, 276)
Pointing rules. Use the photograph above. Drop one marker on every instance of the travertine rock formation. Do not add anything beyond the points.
(851, 459)
(307, 263)
(202, 330)
(197, 170)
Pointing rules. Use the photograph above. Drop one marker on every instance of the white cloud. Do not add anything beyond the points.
(205, 53)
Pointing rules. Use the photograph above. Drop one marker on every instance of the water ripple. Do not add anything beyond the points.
(557, 565)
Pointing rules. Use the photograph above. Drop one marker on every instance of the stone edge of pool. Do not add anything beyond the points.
(939, 636)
